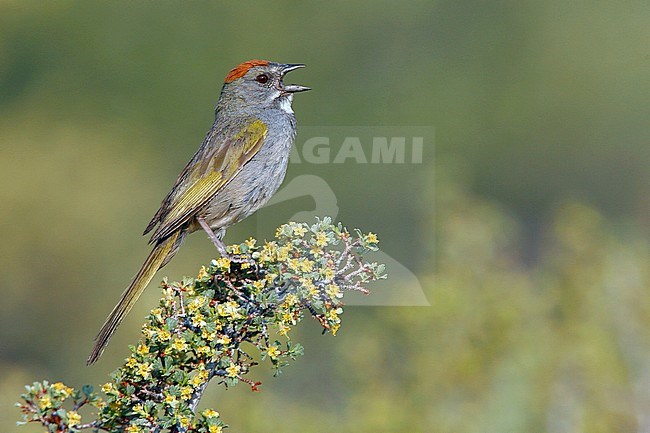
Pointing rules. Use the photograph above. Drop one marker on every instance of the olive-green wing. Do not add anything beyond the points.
(202, 179)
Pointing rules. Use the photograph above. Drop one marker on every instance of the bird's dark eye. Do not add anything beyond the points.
(262, 78)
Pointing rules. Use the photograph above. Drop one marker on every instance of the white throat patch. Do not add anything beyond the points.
(285, 104)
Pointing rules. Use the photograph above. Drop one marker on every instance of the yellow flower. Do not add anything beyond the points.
(288, 318)
(186, 392)
(215, 429)
(259, 284)
(208, 335)
(291, 299)
(224, 340)
(299, 230)
(73, 418)
(142, 349)
(171, 400)
(283, 329)
(131, 362)
(233, 370)
(147, 331)
(371, 238)
(230, 309)
(333, 315)
(306, 283)
(223, 263)
(196, 303)
(179, 344)
(250, 243)
(204, 350)
(189, 290)
(328, 273)
(164, 335)
(62, 389)
(133, 429)
(200, 378)
(139, 409)
(209, 413)
(168, 294)
(294, 264)
(184, 421)
(44, 402)
(144, 370)
(268, 251)
(309, 285)
(333, 291)
(321, 239)
(306, 265)
(283, 253)
(202, 273)
(273, 352)
(198, 320)
(107, 387)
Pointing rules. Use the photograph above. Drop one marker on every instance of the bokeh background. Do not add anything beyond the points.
(527, 223)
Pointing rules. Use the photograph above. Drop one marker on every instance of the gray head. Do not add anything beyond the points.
(257, 84)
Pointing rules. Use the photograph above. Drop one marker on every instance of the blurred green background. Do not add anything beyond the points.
(527, 224)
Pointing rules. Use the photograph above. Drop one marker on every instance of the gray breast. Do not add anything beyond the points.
(259, 179)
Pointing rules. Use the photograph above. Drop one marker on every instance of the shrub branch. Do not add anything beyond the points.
(219, 325)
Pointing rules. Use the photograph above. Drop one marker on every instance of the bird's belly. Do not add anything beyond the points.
(248, 191)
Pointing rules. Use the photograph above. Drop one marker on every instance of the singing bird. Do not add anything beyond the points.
(238, 167)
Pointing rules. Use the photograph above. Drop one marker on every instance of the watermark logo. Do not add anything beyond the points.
(353, 145)
(361, 145)
(383, 150)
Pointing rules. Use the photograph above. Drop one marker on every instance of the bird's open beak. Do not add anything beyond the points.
(292, 88)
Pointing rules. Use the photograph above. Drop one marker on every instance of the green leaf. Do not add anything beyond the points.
(87, 390)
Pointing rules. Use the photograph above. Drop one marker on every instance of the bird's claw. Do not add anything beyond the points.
(240, 258)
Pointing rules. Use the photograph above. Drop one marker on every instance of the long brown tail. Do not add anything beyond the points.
(159, 256)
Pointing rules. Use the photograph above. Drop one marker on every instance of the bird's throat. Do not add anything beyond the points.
(285, 103)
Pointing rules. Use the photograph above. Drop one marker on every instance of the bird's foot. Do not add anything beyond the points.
(239, 258)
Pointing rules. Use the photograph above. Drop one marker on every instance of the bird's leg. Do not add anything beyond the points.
(215, 239)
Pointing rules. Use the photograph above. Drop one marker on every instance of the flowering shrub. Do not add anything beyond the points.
(198, 330)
